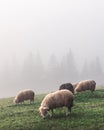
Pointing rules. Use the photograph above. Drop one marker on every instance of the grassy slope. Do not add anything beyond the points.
(87, 114)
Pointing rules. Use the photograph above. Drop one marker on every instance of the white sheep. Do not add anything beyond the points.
(86, 85)
(56, 99)
(23, 95)
(74, 85)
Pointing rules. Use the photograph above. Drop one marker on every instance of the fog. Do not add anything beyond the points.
(46, 43)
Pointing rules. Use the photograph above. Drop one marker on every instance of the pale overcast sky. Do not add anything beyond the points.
(51, 26)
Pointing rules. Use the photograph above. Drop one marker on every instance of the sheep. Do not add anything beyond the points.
(86, 85)
(23, 95)
(74, 85)
(59, 98)
(67, 86)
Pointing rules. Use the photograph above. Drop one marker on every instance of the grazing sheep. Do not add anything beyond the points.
(75, 85)
(67, 86)
(60, 98)
(86, 85)
(24, 95)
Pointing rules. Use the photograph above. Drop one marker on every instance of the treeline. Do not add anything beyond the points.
(35, 73)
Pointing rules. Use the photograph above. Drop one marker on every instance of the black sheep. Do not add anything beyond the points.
(67, 86)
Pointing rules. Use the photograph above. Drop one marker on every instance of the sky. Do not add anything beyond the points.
(51, 27)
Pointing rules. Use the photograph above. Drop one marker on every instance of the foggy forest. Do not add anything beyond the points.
(35, 74)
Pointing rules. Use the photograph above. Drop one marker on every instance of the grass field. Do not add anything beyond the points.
(87, 114)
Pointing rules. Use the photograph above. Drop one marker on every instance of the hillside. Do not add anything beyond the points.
(87, 114)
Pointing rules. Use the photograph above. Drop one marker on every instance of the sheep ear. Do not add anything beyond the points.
(46, 108)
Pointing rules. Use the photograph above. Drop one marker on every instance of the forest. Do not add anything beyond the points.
(35, 73)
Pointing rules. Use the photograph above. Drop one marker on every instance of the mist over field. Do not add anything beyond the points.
(46, 43)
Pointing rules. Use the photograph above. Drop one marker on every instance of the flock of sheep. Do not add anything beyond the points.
(62, 97)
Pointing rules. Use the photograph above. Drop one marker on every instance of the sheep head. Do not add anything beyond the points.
(43, 111)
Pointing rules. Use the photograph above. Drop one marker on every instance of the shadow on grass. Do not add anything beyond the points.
(62, 116)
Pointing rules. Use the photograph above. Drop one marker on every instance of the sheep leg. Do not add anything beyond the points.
(69, 111)
(52, 112)
(92, 91)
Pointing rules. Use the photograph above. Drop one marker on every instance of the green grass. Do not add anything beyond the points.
(87, 114)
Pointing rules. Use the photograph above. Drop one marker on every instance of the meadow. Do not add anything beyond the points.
(87, 114)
